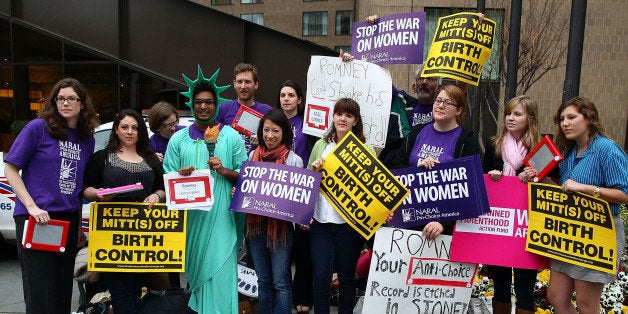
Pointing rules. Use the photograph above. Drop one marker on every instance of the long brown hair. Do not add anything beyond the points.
(585, 107)
(56, 124)
(347, 105)
(142, 147)
(532, 135)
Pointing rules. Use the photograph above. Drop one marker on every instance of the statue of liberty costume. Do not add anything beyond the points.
(213, 237)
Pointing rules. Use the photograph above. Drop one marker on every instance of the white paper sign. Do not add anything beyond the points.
(329, 79)
(411, 274)
(195, 191)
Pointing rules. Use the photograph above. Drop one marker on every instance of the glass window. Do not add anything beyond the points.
(251, 1)
(257, 18)
(491, 68)
(29, 45)
(344, 49)
(6, 98)
(315, 23)
(344, 19)
(41, 80)
(5, 43)
(74, 53)
(312, 0)
(101, 82)
(214, 2)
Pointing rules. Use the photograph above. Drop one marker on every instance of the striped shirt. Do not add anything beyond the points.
(603, 163)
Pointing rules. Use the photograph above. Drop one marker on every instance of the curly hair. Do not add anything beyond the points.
(532, 135)
(347, 105)
(585, 107)
(142, 147)
(56, 124)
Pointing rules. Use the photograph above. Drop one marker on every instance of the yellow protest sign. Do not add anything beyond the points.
(130, 237)
(574, 228)
(359, 187)
(460, 47)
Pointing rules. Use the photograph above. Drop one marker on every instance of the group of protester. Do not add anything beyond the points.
(54, 154)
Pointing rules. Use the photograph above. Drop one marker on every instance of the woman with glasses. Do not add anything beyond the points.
(163, 120)
(52, 151)
(444, 139)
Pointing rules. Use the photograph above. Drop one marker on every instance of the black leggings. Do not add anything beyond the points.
(525, 279)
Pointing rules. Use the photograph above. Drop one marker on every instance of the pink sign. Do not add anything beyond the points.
(498, 237)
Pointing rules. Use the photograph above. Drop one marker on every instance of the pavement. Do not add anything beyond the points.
(11, 296)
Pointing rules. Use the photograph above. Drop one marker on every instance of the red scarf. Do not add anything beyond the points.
(276, 229)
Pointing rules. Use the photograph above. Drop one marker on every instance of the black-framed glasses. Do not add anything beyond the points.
(445, 102)
(71, 100)
(170, 125)
(209, 102)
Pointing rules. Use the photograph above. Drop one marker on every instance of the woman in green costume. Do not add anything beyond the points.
(213, 237)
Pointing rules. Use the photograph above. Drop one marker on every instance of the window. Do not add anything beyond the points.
(344, 19)
(251, 1)
(491, 68)
(312, 0)
(346, 49)
(257, 18)
(214, 2)
(315, 23)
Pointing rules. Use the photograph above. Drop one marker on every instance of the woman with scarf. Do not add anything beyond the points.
(504, 157)
(271, 238)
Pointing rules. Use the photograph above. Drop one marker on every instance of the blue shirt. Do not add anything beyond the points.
(603, 163)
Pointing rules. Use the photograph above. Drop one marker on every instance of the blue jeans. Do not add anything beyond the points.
(334, 245)
(274, 276)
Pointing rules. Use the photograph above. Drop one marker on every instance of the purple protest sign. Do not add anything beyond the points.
(278, 191)
(452, 190)
(396, 38)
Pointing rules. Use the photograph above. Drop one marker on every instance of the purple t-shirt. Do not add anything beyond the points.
(228, 111)
(52, 170)
(159, 143)
(421, 115)
(299, 144)
(432, 143)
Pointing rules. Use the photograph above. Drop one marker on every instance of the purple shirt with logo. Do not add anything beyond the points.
(421, 115)
(299, 145)
(159, 143)
(52, 170)
(435, 144)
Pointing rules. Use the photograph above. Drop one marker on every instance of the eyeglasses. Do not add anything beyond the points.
(209, 102)
(445, 102)
(170, 125)
(71, 100)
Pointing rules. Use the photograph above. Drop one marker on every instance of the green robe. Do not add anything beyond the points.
(213, 237)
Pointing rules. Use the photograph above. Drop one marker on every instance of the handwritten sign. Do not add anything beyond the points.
(130, 237)
(359, 187)
(411, 274)
(460, 48)
(274, 190)
(502, 231)
(396, 38)
(452, 190)
(330, 79)
(574, 228)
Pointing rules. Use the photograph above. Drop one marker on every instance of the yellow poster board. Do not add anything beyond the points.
(573, 228)
(460, 48)
(359, 186)
(129, 237)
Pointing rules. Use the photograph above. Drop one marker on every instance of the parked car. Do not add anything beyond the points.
(7, 197)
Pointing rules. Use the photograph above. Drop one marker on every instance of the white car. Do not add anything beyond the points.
(7, 197)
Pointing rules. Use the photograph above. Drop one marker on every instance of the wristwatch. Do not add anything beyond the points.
(596, 192)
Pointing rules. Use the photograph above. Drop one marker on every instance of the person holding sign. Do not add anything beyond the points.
(52, 152)
(245, 82)
(333, 242)
(291, 101)
(271, 238)
(127, 159)
(504, 156)
(445, 139)
(213, 237)
(594, 165)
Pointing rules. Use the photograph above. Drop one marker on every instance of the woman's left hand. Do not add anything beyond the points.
(571, 186)
(152, 199)
(432, 230)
